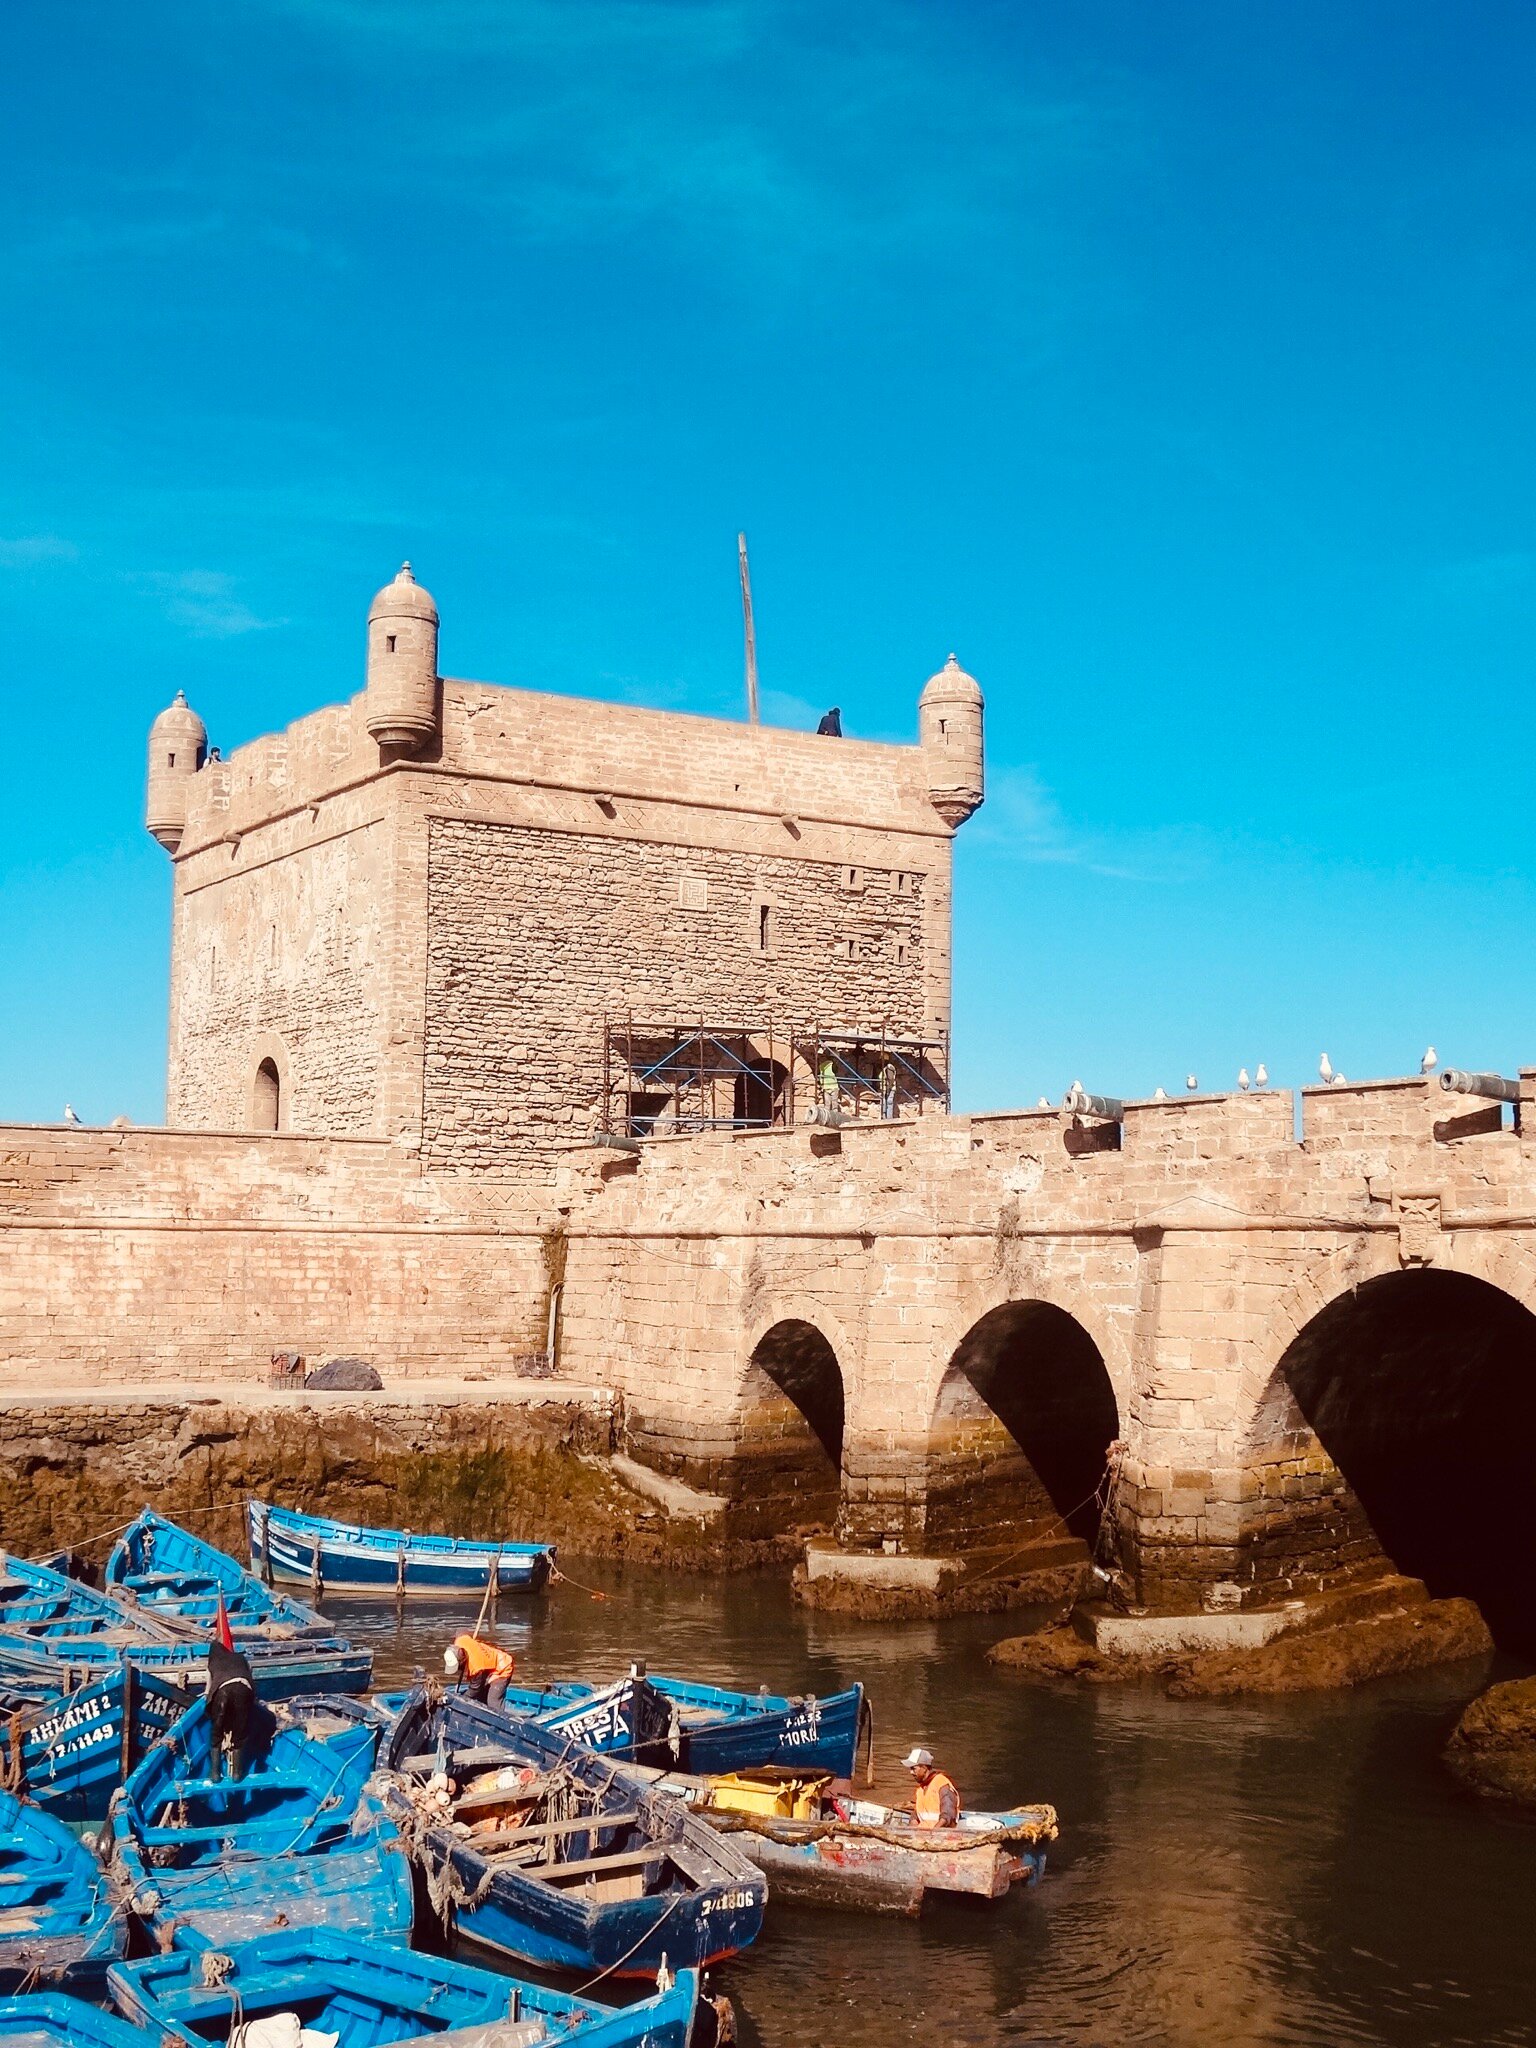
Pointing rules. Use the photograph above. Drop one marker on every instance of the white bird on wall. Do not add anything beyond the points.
(1242, 1078)
(1430, 1061)
(1159, 1094)
(1191, 1083)
(1044, 1102)
(1325, 1068)
(1262, 1076)
(69, 1114)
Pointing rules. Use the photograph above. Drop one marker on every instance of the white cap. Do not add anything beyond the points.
(451, 1660)
(914, 1757)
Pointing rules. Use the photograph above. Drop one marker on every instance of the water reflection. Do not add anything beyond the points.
(1274, 1873)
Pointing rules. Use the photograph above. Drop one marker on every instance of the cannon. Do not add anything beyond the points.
(1492, 1087)
(1108, 1108)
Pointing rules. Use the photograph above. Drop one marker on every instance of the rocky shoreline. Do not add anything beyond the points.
(1492, 1749)
(1336, 1645)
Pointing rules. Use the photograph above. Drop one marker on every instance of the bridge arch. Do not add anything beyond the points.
(791, 1409)
(1020, 1431)
(1395, 1432)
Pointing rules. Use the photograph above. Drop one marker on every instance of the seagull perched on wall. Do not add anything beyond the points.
(1159, 1094)
(1191, 1083)
(1325, 1068)
(1430, 1061)
(1242, 1078)
(1044, 1102)
(69, 1114)
(1262, 1076)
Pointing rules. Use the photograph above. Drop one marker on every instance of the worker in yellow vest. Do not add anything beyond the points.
(935, 1801)
(482, 1669)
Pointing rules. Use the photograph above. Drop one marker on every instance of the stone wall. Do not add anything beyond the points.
(535, 937)
(137, 1256)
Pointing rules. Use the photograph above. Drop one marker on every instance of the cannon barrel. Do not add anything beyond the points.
(1493, 1087)
(1108, 1107)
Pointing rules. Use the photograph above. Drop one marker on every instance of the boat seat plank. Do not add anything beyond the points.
(601, 1866)
(539, 1831)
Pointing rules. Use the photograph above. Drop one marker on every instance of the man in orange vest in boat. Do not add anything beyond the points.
(482, 1669)
(935, 1801)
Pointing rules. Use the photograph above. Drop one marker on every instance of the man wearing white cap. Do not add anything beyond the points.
(935, 1801)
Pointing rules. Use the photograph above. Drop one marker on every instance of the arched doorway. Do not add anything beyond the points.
(790, 1448)
(1397, 1430)
(267, 1098)
(1021, 1430)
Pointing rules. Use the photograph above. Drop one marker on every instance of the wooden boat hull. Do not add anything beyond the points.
(865, 1875)
(594, 1909)
(51, 2019)
(59, 1923)
(340, 1557)
(752, 1730)
(69, 1752)
(374, 1994)
(301, 1840)
(165, 1571)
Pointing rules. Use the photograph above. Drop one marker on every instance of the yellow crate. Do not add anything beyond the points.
(785, 1797)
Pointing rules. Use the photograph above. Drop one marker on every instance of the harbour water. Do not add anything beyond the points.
(1287, 1871)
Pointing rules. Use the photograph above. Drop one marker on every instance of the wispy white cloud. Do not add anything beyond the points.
(204, 601)
(1022, 820)
(29, 550)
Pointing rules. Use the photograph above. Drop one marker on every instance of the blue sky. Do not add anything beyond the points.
(1171, 364)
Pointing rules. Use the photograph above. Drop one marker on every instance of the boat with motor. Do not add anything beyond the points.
(541, 1850)
(356, 1993)
(68, 1751)
(346, 1557)
(166, 1571)
(52, 2019)
(59, 1923)
(301, 1839)
(817, 1842)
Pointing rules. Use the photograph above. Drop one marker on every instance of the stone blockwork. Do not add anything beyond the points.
(535, 937)
(791, 1318)
(427, 947)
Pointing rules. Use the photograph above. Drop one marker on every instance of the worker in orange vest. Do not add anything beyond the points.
(935, 1801)
(482, 1669)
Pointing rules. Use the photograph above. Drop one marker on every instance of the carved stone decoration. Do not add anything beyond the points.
(1418, 1228)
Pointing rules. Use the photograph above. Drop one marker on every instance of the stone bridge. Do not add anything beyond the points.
(1301, 1336)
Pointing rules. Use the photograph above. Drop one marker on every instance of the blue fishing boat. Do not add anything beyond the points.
(83, 1632)
(69, 1751)
(51, 2019)
(300, 1840)
(362, 1994)
(340, 1557)
(165, 1570)
(547, 1853)
(58, 1922)
(705, 1729)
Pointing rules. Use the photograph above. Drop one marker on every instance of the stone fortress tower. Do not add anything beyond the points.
(487, 922)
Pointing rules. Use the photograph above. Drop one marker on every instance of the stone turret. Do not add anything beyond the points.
(949, 727)
(178, 746)
(402, 666)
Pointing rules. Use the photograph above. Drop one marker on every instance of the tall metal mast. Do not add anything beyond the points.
(746, 615)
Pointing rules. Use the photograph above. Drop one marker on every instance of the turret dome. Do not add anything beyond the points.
(179, 723)
(403, 599)
(952, 685)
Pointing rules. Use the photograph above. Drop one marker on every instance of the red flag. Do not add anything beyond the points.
(221, 1626)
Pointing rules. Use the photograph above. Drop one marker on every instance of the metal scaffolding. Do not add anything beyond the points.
(661, 1078)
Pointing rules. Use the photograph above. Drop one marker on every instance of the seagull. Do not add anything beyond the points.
(1430, 1061)
(1242, 1078)
(1044, 1102)
(1191, 1083)
(1159, 1095)
(1325, 1068)
(1339, 1081)
(1262, 1076)
(69, 1114)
